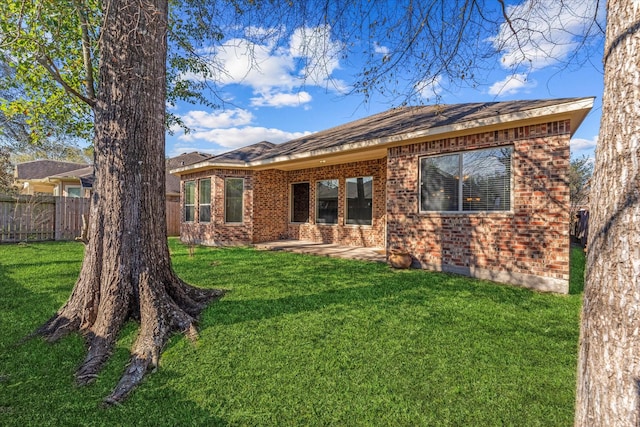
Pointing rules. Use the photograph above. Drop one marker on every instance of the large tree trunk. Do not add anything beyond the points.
(126, 272)
(609, 360)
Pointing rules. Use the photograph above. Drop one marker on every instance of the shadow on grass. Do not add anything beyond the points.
(39, 390)
(37, 378)
(397, 288)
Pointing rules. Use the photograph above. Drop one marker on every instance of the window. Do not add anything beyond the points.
(233, 188)
(485, 183)
(327, 201)
(359, 200)
(74, 191)
(189, 201)
(204, 197)
(300, 202)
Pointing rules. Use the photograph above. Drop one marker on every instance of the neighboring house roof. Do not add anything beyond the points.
(371, 136)
(40, 169)
(45, 170)
(246, 154)
(184, 159)
(85, 175)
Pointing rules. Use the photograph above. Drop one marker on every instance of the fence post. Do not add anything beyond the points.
(57, 218)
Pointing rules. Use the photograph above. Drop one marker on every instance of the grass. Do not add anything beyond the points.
(302, 340)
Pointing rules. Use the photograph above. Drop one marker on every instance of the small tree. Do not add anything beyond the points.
(6, 172)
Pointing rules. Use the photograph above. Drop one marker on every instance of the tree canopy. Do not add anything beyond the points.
(405, 51)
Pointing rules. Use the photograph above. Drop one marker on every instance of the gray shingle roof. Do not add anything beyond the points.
(185, 159)
(403, 120)
(246, 154)
(39, 169)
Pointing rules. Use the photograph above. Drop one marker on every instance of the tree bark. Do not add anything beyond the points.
(609, 357)
(126, 271)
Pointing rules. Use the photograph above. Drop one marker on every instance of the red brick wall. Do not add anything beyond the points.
(267, 208)
(270, 203)
(528, 245)
(218, 232)
(272, 210)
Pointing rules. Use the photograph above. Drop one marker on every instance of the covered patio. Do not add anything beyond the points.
(325, 249)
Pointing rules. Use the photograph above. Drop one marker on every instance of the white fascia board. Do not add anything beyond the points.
(207, 165)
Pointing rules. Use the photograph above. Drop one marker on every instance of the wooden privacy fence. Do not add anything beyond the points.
(173, 218)
(31, 218)
(24, 218)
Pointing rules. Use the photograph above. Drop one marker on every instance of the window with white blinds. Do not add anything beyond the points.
(473, 181)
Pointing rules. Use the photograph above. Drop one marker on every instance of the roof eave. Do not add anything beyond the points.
(200, 166)
(577, 109)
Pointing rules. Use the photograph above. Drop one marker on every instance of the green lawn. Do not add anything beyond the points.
(302, 340)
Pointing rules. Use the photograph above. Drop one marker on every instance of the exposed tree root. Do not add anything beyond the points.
(132, 376)
(99, 351)
(162, 310)
(161, 316)
(57, 327)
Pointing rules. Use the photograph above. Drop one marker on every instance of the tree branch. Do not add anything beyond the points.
(507, 19)
(46, 62)
(86, 51)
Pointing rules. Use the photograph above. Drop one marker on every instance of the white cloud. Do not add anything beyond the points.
(581, 144)
(236, 137)
(281, 99)
(319, 51)
(430, 89)
(221, 131)
(379, 49)
(511, 85)
(275, 67)
(543, 32)
(259, 66)
(203, 120)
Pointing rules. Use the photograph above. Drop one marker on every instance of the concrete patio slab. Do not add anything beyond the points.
(325, 249)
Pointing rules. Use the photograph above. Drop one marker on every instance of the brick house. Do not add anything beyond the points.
(478, 189)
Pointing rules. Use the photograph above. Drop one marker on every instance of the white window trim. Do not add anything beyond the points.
(67, 187)
(185, 205)
(317, 205)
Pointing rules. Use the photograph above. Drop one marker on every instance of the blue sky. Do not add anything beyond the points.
(272, 102)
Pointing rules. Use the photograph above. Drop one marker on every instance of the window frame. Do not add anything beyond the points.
(368, 222)
(226, 211)
(460, 182)
(191, 205)
(200, 204)
(73, 187)
(317, 202)
(292, 202)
